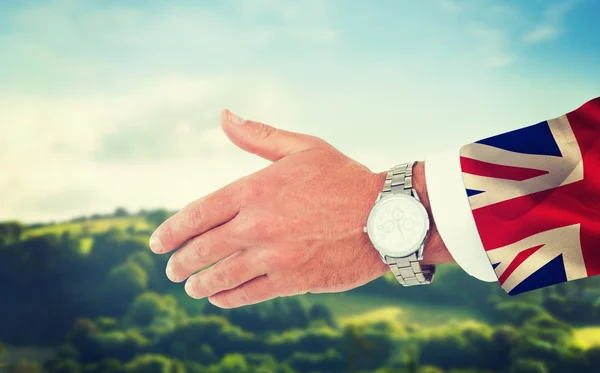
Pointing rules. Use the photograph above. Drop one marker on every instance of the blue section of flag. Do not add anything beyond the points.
(536, 139)
(473, 192)
(550, 274)
(494, 265)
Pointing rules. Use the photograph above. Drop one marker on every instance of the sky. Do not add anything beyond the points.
(107, 104)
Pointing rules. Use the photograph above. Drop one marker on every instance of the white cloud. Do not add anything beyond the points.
(51, 148)
(542, 33)
(550, 26)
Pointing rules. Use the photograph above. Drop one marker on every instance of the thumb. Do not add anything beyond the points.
(263, 140)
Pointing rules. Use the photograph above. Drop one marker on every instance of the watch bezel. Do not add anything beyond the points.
(417, 247)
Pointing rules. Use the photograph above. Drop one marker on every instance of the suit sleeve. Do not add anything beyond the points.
(534, 194)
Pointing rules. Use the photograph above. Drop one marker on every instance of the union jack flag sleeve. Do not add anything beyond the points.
(535, 198)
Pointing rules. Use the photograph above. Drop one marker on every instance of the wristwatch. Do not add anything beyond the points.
(398, 226)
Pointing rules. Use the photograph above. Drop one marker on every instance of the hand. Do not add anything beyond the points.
(293, 227)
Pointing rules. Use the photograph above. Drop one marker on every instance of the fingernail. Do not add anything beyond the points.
(188, 287)
(155, 244)
(234, 118)
(170, 273)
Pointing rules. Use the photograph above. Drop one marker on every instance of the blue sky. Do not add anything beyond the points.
(116, 103)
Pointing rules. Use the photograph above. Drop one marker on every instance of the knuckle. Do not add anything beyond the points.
(224, 300)
(197, 286)
(244, 295)
(177, 267)
(167, 235)
(235, 276)
(193, 217)
(316, 141)
(250, 228)
(254, 189)
(200, 248)
(275, 259)
(238, 228)
(263, 131)
(220, 277)
(259, 228)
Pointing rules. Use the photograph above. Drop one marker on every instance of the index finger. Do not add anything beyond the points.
(197, 217)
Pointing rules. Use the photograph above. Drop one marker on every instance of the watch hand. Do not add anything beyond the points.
(399, 229)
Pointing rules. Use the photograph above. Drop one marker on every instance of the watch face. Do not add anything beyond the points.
(397, 225)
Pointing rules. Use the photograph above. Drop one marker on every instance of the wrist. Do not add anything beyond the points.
(434, 250)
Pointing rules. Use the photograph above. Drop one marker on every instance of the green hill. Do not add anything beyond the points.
(138, 223)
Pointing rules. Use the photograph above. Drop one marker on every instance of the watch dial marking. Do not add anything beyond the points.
(398, 225)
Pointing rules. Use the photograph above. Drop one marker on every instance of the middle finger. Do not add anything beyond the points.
(202, 251)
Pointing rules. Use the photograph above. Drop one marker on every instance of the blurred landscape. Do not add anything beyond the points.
(87, 295)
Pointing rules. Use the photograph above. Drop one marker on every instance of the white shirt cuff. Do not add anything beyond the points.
(453, 217)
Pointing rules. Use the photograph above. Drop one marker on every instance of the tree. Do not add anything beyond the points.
(120, 212)
(109, 365)
(149, 308)
(321, 312)
(528, 366)
(156, 217)
(1, 356)
(233, 363)
(131, 229)
(27, 367)
(144, 259)
(123, 284)
(65, 366)
(154, 364)
(10, 232)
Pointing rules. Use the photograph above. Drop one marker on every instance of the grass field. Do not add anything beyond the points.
(345, 306)
(91, 226)
(349, 307)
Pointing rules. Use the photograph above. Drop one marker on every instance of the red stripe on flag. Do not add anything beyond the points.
(520, 258)
(480, 168)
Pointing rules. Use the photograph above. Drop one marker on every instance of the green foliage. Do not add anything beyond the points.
(318, 312)
(276, 315)
(151, 363)
(233, 363)
(27, 367)
(157, 217)
(464, 346)
(572, 306)
(328, 361)
(67, 352)
(120, 212)
(528, 366)
(143, 259)
(216, 331)
(152, 309)
(2, 364)
(65, 366)
(104, 300)
(126, 281)
(516, 313)
(428, 369)
(109, 365)
(10, 232)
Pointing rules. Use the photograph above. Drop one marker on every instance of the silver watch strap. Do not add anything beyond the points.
(408, 270)
(399, 180)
